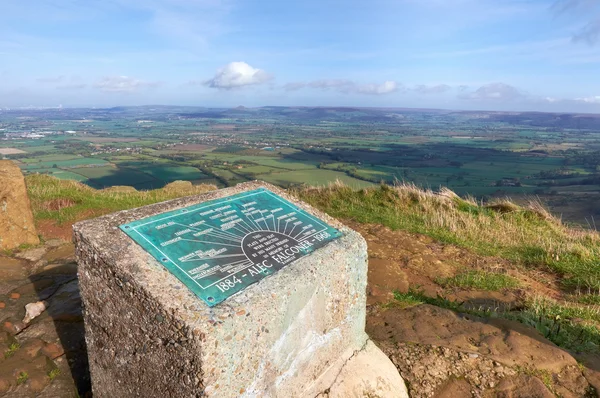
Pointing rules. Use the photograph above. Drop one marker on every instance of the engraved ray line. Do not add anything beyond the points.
(257, 226)
(245, 233)
(272, 217)
(285, 227)
(243, 227)
(265, 221)
(302, 230)
(244, 220)
(260, 228)
(214, 233)
(212, 258)
(250, 220)
(218, 236)
(199, 230)
(216, 243)
(240, 262)
(226, 233)
(219, 227)
(226, 256)
(295, 225)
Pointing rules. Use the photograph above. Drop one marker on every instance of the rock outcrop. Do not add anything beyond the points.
(16, 219)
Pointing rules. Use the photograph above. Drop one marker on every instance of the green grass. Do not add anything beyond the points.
(12, 349)
(78, 200)
(53, 374)
(315, 177)
(480, 280)
(590, 299)
(529, 236)
(101, 177)
(22, 378)
(48, 158)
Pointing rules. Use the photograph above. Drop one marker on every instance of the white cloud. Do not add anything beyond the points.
(237, 74)
(122, 84)
(346, 86)
(437, 89)
(589, 100)
(386, 87)
(494, 92)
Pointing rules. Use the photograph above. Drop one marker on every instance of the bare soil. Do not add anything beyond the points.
(442, 353)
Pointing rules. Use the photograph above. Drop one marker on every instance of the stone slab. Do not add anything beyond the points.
(148, 335)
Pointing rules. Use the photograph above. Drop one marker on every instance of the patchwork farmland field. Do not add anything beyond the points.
(485, 154)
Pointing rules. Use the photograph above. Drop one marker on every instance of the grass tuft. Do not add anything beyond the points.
(12, 349)
(22, 378)
(53, 374)
(480, 280)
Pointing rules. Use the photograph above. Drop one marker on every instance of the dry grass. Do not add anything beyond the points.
(529, 234)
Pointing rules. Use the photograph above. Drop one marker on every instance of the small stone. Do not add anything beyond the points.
(32, 255)
(14, 327)
(53, 350)
(15, 296)
(4, 384)
(473, 356)
(241, 312)
(2, 304)
(38, 382)
(33, 310)
(32, 347)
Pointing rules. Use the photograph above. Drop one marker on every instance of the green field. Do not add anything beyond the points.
(65, 163)
(312, 177)
(486, 154)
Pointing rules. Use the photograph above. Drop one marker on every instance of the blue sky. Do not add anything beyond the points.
(456, 54)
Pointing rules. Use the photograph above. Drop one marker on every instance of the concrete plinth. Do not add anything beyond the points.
(289, 335)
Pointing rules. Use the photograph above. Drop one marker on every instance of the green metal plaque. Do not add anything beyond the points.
(220, 247)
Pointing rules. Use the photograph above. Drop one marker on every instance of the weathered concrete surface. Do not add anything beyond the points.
(16, 219)
(288, 335)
